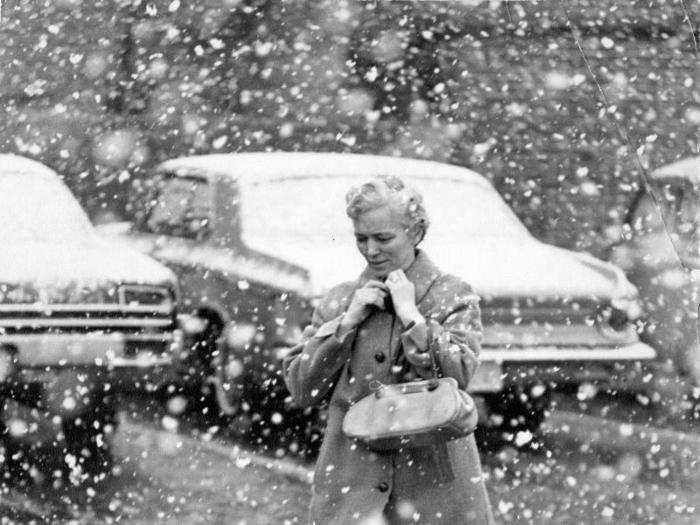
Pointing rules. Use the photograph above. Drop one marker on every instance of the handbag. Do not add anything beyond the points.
(413, 414)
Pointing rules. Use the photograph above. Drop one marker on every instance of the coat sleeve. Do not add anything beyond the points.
(312, 367)
(455, 342)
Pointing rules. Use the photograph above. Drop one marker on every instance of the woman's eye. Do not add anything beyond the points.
(385, 239)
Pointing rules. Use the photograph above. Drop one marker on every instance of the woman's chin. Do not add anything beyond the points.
(379, 271)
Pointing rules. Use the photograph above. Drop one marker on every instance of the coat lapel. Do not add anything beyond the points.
(422, 273)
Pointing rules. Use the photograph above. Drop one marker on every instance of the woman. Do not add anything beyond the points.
(384, 326)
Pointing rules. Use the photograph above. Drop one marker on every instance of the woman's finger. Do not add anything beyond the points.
(419, 358)
(371, 295)
(378, 302)
(373, 283)
(378, 295)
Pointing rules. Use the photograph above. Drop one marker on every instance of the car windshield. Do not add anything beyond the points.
(180, 207)
(311, 210)
(681, 208)
(39, 209)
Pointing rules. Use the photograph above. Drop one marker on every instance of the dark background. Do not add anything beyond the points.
(100, 90)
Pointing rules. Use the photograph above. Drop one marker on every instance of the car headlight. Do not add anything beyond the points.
(192, 324)
(630, 306)
(7, 362)
(615, 321)
(146, 295)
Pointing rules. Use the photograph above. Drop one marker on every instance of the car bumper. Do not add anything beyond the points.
(127, 362)
(616, 368)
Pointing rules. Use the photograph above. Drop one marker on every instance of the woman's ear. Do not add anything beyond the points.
(416, 234)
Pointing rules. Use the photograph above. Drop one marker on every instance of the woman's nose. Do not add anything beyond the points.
(372, 248)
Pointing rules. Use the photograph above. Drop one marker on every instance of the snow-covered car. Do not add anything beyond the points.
(81, 320)
(257, 237)
(660, 251)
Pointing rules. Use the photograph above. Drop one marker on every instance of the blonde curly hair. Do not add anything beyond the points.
(388, 190)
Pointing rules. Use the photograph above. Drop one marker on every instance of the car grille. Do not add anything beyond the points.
(567, 322)
(140, 309)
(528, 310)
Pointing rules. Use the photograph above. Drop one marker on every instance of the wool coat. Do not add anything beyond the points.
(352, 484)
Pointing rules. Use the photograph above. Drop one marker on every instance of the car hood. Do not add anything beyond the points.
(86, 261)
(686, 168)
(495, 267)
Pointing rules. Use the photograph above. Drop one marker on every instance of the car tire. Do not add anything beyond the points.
(88, 456)
(513, 419)
(12, 455)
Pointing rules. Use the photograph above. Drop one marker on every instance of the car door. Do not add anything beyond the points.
(662, 235)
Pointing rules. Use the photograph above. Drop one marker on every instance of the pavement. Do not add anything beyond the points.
(169, 472)
(232, 453)
(669, 454)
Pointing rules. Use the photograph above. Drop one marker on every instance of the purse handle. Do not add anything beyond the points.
(411, 387)
(378, 386)
(436, 373)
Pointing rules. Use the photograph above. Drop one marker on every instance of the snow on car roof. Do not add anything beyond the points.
(687, 168)
(36, 204)
(47, 237)
(10, 163)
(284, 165)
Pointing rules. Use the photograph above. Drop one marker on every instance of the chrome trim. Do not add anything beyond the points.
(65, 349)
(554, 335)
(140, 362)
(165, 337)
(105, 350)
(43, 308)
(79, 322)
(633, 352)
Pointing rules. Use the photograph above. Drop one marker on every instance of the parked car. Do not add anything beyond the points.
(256, 238)
(81, 320)
(660, 251)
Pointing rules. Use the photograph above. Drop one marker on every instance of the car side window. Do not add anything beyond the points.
(646, 217)
(676, 213)
(687, 223)
(688, 214)
(180, 207)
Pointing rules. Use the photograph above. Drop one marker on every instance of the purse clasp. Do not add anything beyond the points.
(377, 387)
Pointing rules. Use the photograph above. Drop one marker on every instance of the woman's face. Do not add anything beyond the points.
(384, 241)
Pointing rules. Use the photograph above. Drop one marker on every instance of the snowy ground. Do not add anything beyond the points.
(169, 477)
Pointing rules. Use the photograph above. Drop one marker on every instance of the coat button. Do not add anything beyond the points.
(379, 357)
(383, 487)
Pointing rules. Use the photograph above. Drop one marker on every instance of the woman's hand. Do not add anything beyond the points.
(370, 296)
(403, 295)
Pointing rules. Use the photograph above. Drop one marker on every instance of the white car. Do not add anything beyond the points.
(81, 319)
(228, 223)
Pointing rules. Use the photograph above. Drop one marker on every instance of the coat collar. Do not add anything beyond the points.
(422, 273)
